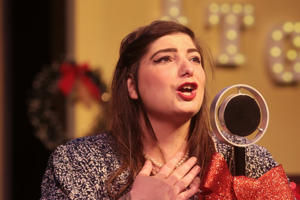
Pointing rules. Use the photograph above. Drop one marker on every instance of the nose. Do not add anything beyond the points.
(186, 68)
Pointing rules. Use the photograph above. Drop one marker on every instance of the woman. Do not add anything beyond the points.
(158, 146)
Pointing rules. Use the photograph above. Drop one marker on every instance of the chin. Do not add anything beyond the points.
(188, 114)
(192, 110)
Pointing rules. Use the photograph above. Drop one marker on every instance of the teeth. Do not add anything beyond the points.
(187, 87)
(187, 93)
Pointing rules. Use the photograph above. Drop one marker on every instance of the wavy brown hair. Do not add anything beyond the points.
(125, 112)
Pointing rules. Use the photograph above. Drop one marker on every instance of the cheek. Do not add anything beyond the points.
(146, 80)
(153, 88)
(152, 80)
(201, 76)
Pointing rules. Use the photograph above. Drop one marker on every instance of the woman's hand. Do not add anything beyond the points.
(169, 183)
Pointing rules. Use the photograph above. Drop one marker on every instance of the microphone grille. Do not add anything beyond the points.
(242, 115)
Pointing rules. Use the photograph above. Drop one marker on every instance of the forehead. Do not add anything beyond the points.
(175, 40)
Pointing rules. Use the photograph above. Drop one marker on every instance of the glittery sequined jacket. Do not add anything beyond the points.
(80, 168)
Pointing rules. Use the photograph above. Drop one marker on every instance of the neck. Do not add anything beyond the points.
(171, 138)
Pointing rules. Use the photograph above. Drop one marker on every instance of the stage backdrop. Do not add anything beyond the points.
(1, 105)
(99, 26)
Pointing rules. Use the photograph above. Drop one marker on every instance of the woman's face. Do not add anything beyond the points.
(171, 79)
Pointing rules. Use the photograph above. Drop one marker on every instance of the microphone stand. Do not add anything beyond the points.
(239, 161)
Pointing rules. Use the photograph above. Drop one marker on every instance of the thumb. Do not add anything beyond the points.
(147, 168)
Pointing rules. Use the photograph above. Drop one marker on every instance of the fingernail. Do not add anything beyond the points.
(148, 162)
(194, 159)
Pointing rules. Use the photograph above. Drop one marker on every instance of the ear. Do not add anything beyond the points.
(131, 88)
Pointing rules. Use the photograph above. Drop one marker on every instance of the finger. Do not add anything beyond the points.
(187, 179)
(196, 183)
(181, 171)
(194, 189)
(147, 168)
(168, 168)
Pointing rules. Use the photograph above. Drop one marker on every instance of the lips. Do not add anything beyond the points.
(187, 91)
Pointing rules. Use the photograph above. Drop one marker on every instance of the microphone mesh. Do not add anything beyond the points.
(242, 115)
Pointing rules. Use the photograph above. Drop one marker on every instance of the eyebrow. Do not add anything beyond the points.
(173, 50)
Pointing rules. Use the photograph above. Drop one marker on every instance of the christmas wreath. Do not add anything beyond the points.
(55, 87)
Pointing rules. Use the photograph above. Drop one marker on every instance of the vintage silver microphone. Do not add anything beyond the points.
(239, 116)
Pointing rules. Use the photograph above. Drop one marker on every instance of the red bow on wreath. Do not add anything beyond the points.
(72, 72)
(220, 184)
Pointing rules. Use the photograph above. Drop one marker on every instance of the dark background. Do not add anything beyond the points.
(34, 35)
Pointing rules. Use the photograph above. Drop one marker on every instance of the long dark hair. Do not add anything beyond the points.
(125, 126)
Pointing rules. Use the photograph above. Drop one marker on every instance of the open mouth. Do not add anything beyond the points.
(187, 91)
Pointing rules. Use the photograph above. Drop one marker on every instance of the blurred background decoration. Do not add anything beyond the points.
(233, 18)
(253, 42)
(55, 91)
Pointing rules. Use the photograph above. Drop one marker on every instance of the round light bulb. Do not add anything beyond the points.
(287, 77)
(248, 20)
(248, 9)
(182, 20)
(237, 8)
(296, 41)
(288, 27)
(297, 27)
(297, 67)
(213, 19)
(225, 8)
(275, 51)
(214, 8)
(239, 59)
(277, 35)
(277, 68)
(231, 34)
(165, 18)
(291, 54)
(231, 49)
(174, 11)
(223, 59)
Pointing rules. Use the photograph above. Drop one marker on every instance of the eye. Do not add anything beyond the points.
(196, 59)
(163, 59)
